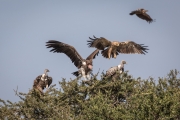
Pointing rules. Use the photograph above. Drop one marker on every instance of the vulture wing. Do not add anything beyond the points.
(111, 71)
(134, 12)
(70, 51)
(36, 81)
(99, 43)
(49, 81)
(93, 55)
(130, 47)
(145, 16)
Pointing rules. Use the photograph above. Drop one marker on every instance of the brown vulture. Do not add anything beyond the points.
(42, 81)
(84, 65)
(141, 13)
(112, 48)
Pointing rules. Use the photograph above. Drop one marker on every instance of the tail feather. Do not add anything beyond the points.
(105, 53)
(76, 73)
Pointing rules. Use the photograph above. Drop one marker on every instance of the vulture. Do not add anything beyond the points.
(84, 65)
(42, 81)
(113, 48)
(141, 13)
(112, 71)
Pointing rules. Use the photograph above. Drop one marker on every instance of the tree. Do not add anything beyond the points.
(119, 99)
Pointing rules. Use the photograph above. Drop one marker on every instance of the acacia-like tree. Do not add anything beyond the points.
(124, 98)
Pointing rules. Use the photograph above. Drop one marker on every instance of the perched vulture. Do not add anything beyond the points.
(141, 13)
(42, 81)
(84, 65)
(112, 71)
(112, 48)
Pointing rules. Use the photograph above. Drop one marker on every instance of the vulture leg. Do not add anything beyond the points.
(109, 52)
(114, 54)
(46, 86)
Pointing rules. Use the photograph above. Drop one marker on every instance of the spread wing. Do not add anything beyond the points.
(130, 47)
(99, 43)
(70, 51)
(93, 55)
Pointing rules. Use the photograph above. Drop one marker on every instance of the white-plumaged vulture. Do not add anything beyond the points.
(42, 81)
(112, 71)
(141, 13)
(112, 48)
(84, 65)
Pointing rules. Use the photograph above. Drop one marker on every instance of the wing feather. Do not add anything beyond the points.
(145, 16)
(130, 47)
(93, 55)
(99, 43)
(70, 51)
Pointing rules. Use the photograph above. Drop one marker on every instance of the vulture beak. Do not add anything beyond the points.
(46, 86)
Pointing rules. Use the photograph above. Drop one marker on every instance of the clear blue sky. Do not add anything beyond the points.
(25, 26)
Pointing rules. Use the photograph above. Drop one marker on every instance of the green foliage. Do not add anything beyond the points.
(120, 98)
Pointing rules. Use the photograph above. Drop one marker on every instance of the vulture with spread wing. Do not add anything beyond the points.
(113, 48)
(141, 13)
(42, 81)
(84, 65)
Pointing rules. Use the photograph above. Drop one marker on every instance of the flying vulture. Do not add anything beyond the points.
(42, 81)
(84, 65)
(112, 71)
(141, 13)
(113, 48)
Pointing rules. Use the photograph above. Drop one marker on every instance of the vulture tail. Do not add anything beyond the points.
(76, 73)
(105, 53)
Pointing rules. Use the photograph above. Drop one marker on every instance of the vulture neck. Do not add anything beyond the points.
(44, 76)
(121, 65)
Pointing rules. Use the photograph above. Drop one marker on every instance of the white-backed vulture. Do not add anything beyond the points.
(112, 48)
(141, 13)
(84, 65)
(111, 71)
(42, 81)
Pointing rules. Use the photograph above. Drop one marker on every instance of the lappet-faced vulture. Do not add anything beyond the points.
(141, 13)
(42, 81)
(112, 48)
(84, 65)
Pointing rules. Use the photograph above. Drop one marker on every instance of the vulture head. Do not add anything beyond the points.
(123, 62)
(46, 70)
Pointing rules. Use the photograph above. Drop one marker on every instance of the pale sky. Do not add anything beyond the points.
(25, 26)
